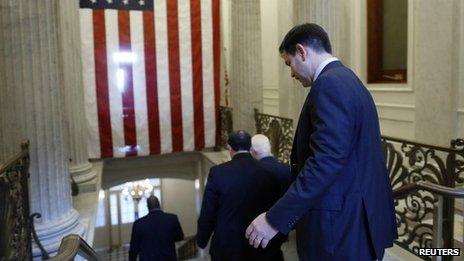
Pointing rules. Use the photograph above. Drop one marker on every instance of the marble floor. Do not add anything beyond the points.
(289, 249)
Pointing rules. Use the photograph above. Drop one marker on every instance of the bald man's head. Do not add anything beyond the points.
(152, 202)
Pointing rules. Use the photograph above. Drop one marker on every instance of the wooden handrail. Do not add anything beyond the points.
(404, 190)
(435, 147)
(273, 116)
(72, 245)
(431, 187)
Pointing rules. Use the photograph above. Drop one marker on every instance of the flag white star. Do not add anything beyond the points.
(126, 2)
(93, 1)
(109, 1)
(141, 2)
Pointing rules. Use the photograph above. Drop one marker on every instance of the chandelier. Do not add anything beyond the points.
(138, 189)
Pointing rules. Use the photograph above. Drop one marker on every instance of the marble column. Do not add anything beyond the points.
(246, 70)
(436, 80)
(288, 101)
(331, 15)
(70, 48)
(31, 87)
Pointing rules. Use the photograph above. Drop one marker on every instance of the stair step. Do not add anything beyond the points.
(397, 253)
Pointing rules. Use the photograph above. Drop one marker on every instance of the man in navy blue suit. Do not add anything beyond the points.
(261, 150)
(154, 235)
(341, 199)
(236, 192)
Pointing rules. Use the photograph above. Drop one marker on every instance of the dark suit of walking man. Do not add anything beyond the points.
(341, 200)
(261, 151)
(154, 235)
(235, 193)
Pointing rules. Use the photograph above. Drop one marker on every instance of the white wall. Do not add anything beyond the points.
(395, 102)
(178, 197)
(428, 108)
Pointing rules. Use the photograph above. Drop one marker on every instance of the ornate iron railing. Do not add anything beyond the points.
(279, 130)
(227, 125)
(440, 192)
(410, 162)
(188, 250)
(15, 225)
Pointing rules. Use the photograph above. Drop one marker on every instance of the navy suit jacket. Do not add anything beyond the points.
(236, 192)
(280, 170)
(154, 236)
(282, 173)
(341, 200)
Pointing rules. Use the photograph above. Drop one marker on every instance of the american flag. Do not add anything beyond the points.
(151, 75)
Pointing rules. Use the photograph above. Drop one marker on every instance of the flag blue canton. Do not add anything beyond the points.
(141, 5)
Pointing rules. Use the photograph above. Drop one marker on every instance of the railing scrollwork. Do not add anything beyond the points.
(421, 176)
(15, 233)
(227, 126)
(279, 130)
(43, 252)
(411, 163)
(188, 250)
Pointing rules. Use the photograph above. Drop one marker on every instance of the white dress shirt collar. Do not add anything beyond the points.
(323, 65)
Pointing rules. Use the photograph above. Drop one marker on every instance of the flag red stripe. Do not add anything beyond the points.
(151, 82)
(174, 76)
(217, 64)
(197, 74)
(128, 111)
(101, 82)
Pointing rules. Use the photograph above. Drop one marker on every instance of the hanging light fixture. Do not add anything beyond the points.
(138, 189)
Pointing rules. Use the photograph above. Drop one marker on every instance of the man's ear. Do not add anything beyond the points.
(253, 152)
(301, 51)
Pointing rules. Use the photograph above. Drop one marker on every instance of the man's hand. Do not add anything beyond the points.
(260, 231)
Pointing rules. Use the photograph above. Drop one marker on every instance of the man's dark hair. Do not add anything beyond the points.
(310, 35)
(152, 202)
(239, 140)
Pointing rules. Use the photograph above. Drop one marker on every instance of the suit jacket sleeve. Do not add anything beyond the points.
(286, 181)
(134, 248)
(333, 117)
(209, 208)
(178, 233)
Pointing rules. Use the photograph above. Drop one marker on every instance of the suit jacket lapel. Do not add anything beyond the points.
(293, 155)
